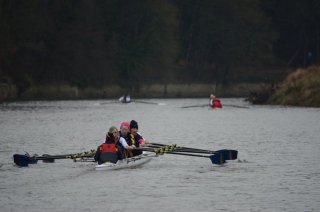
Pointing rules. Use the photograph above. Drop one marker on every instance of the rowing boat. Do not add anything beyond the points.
(153, 150)
(135, 161)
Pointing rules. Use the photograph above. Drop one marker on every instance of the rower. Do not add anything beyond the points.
(130, 133)
(108, 151)
(124, 129)
(125, 98)
(124, 137)
(129, 139)
(113, 148)
(136, 137)
(214, 102)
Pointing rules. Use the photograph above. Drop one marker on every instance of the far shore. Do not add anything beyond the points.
(192, 90)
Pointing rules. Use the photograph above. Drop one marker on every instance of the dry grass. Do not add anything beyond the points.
(301, 88)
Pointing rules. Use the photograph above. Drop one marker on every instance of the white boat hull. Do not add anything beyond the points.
(139, 160)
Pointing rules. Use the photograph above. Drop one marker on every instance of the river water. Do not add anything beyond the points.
(277, 167)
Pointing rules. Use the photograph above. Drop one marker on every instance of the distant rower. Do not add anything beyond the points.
(125, 99)
(214, 102)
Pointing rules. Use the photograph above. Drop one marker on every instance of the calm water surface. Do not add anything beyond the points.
(278, 167)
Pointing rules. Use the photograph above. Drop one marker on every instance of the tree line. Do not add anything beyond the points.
(95, 43)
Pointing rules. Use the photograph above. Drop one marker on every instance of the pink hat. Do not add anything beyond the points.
(125, 124)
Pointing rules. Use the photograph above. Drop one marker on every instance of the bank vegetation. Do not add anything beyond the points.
(77, 48)
(300, 88)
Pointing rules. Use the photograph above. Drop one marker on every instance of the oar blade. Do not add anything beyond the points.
(217, 159)
(23, 160)
(228, 154)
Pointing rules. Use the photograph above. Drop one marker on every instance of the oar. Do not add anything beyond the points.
(217, 158)
(236, 106)
(190, 106)
(25, 160)
(145, 102)
(192, 150)
(228, 154)
(109, 102)
(207, 105)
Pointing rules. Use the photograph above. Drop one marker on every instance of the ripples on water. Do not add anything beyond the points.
(277, 170)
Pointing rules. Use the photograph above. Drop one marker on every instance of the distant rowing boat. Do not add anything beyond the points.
(122, 101)
(138, 160)
(125, 99)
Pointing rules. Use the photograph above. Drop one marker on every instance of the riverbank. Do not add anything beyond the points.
(8, 91)
(62, 91)
(300, 88)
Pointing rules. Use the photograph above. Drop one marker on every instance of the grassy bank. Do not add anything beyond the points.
(300, 88)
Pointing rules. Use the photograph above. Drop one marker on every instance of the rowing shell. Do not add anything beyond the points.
(138, 160)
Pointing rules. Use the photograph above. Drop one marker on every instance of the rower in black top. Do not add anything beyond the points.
(138, 139)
